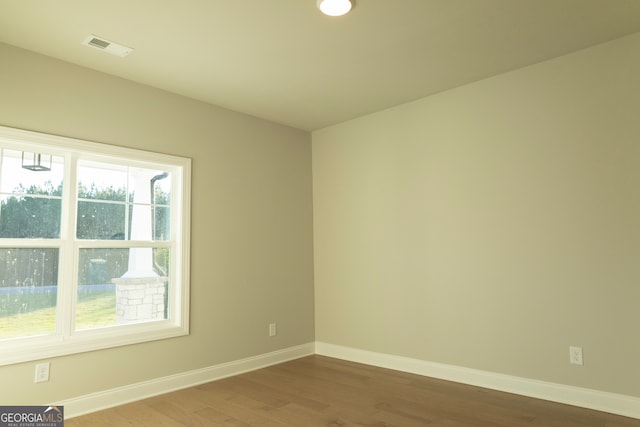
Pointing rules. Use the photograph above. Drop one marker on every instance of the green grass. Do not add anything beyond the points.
(95, 312)
(37, 322)
(92, 312)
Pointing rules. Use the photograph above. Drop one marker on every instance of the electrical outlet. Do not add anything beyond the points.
(575, 355)
(273, 331)
(42, 372)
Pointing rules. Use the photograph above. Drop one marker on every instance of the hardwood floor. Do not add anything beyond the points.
(321, 391)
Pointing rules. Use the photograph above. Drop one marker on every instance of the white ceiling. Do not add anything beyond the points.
(282, 60)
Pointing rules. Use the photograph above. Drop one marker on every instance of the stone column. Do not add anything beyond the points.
(139, 299)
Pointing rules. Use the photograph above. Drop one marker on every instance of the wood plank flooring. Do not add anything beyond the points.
(321, 391)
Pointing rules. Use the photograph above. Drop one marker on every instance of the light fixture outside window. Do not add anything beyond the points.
(36, 161)
(335, 7)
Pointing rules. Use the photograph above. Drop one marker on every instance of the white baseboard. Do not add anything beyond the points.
(627, 406)
(119, 396)
(593, 399)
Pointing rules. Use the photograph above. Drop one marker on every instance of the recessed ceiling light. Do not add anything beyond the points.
(335, 7)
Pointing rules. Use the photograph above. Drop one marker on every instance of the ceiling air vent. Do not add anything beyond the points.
(100, 44)
(107, 46)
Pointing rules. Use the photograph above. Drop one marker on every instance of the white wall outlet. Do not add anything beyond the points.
(273, 331)
(575, 355)
(42, 372)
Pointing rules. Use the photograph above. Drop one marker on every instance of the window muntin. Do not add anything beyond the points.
(114, 220)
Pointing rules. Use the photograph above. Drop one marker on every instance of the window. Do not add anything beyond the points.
(94, 246)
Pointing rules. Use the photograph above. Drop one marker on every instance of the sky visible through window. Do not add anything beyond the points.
(100, 175)
(13, 174)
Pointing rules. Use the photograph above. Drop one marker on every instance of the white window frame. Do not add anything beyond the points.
(66, 340)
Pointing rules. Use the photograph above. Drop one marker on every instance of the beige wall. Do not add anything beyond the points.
(251, 252)
(491, 226)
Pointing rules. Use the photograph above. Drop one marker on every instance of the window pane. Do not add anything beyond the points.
(161, 212)
(97, 268)
(161, 223)
(30, 193)
(118, 202)
(15, 178)
(102, 181)
(161, 260)
(120, 286)
(30, 217)
(100, 220)
(150, 192)
(28, 291)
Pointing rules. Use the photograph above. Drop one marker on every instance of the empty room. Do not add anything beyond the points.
(320, 212)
